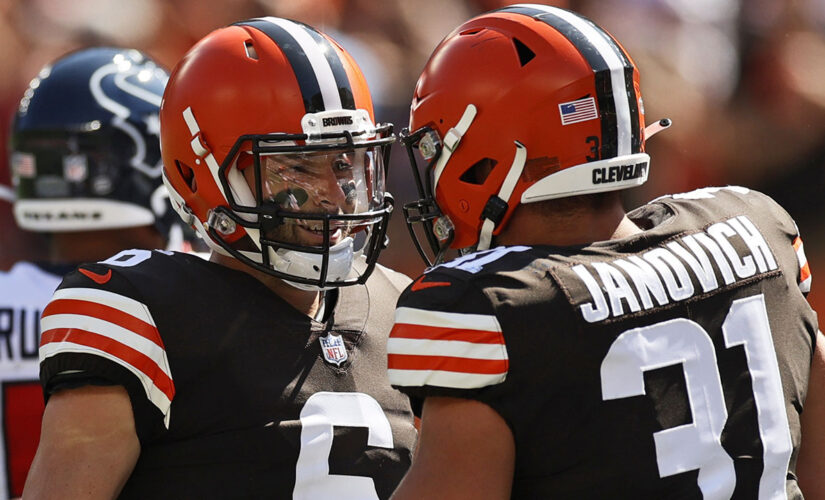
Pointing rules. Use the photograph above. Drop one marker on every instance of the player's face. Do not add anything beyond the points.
(328, 182)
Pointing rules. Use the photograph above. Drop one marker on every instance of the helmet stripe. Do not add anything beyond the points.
(635, 124)
(337, 67)
(316, 77)
(615, 93)
(633, 105)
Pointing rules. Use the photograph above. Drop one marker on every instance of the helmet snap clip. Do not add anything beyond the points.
(221, 222)
(429, 144)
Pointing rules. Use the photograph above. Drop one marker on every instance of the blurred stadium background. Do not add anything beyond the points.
(743, 80)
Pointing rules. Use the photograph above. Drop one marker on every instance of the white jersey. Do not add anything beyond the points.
(24, 291)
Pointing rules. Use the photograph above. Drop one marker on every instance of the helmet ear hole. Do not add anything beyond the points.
(479, 171)
(250, 50)
(525, 55)
(187, 175)
(471, 31)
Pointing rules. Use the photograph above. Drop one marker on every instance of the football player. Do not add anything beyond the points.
(575, 350)
(260, 373)
(85, 162)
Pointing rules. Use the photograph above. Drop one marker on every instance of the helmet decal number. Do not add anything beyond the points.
(594, 148)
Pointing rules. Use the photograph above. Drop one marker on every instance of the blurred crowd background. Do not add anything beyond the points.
(743, 81)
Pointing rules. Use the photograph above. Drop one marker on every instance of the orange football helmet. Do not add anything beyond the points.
(285, 100)
(519, 105)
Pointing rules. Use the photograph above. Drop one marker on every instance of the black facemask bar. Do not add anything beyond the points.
(424, 211)
(271, 215)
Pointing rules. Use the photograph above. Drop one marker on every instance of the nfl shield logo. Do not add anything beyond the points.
(332, 347)
(75, 168)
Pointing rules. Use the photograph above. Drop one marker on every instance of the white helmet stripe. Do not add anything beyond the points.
(200, 150)
(315, 56)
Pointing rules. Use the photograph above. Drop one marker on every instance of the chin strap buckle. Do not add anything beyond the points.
(497, 206)
(494, 210)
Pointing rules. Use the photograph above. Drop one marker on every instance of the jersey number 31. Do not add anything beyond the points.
(697, 445)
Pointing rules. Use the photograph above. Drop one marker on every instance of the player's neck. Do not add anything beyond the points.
(305, 301)
(534, 227)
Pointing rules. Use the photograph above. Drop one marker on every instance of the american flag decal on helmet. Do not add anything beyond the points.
(613, 71)
(109, 325)
(445, 349)
(581, 110)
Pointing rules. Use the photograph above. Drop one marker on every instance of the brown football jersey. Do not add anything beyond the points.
(235, 393)
(670, 364)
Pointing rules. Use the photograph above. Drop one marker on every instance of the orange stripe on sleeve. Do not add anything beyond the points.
(447, 363)
(105, 313)
(409, 331)
(117, 350)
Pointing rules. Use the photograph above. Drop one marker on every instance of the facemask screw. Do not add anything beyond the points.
(442, 228)
(221, 222)
(428, 145)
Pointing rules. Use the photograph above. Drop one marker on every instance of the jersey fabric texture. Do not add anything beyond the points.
(231, 392)
(670, 364)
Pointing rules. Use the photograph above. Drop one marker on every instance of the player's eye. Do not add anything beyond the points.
(341, 164)
(296, 167)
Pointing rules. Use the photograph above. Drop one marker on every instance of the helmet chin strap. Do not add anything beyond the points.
(308, 265)
(485, 235)
(451, 140)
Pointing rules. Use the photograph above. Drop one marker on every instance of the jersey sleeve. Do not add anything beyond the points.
(94, 329)
(771, 209)
(446, 340)
(804, 279)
